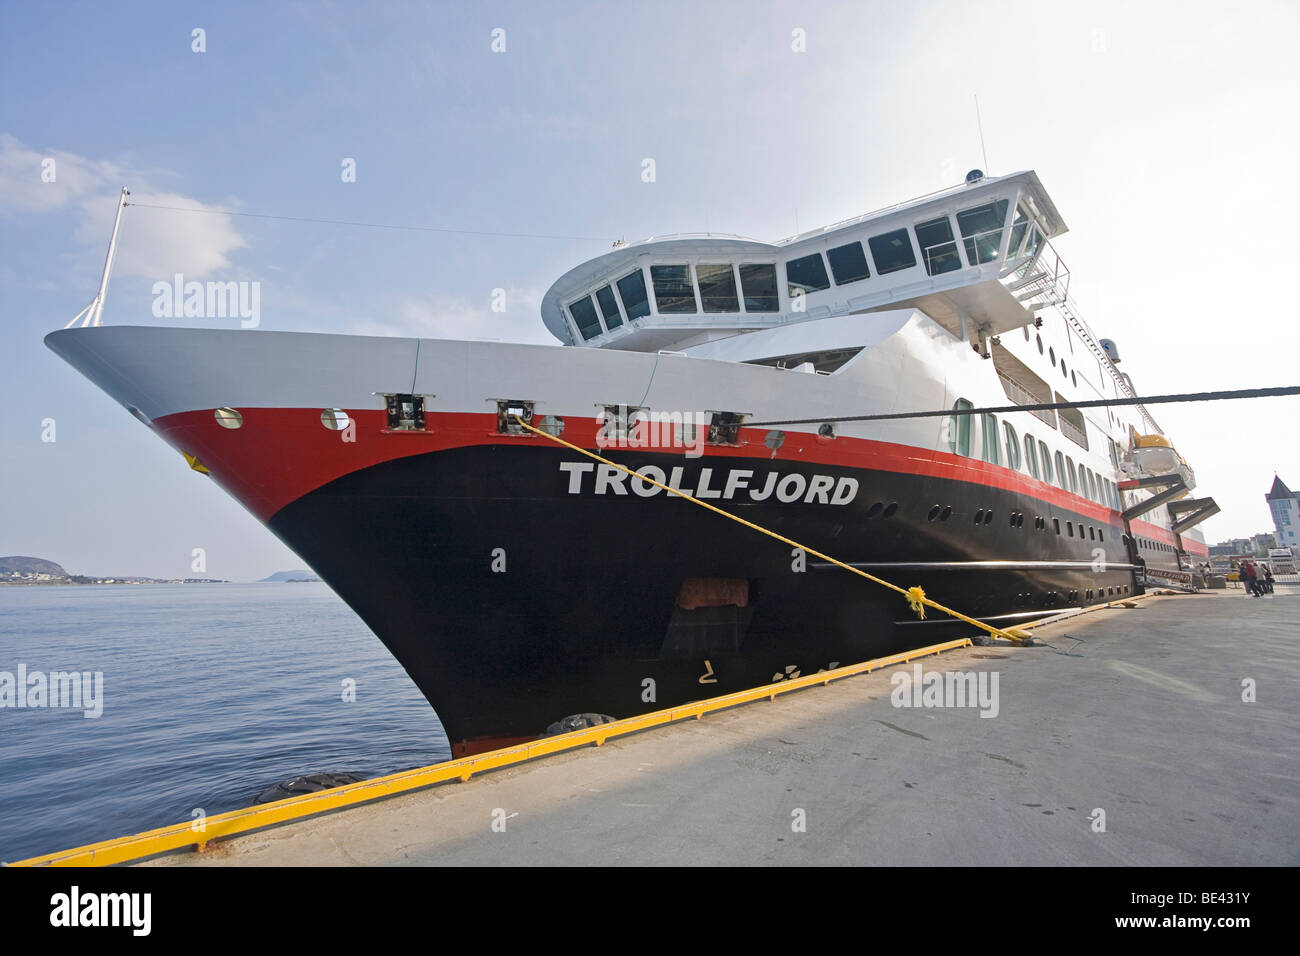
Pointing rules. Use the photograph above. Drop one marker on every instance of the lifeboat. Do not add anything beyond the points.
(1155, 455)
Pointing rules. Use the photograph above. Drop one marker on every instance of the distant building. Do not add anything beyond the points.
(1285, 505)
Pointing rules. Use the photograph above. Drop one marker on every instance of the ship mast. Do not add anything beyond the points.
(93, 313)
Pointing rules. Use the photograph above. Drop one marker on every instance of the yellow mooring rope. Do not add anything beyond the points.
(916, 598)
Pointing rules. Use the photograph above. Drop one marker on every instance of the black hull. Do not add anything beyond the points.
(584, 613)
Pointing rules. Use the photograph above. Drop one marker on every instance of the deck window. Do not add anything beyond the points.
(584, 316)
(1047, 462)
(989, 433)
(1013, 446)
(758, 284)
(631, 289)
(674, 291)
(1069, 474)
(806, 274)
(892, 251)
(981, 229)
(1031, 456)
(848, 263)
(959, 429)
(608, 307)
(717, 288)
(938, 249)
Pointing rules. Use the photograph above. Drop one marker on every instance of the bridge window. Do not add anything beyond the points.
(631, 289)
(717, 288)
(584, 316)
(938, 248)
(1013, 446)
(848, 263)
(608, 307)
(758, 283)
(1018, 231)
(981, 228)
(1031, 456)
(892, 251)
(1035, 239)
(806, 274)
(674, 292)
(959, 429)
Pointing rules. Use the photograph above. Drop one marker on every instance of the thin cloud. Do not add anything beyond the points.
(153, 243)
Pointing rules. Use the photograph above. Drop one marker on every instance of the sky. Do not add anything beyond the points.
(1163, 131)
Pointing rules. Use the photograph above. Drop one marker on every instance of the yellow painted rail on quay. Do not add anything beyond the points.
(224, 825)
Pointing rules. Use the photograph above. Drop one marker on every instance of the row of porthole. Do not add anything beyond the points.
(883, 510)
(1094, 533)
(1016, 519)
(1051, 357)
(1048, 598)
(335, 419)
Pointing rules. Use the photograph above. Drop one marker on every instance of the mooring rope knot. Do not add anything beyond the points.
(916, 598)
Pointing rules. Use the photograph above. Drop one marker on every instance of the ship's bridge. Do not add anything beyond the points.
(973, 253)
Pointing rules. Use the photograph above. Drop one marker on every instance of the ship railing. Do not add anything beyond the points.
(863, 217)
(1042, 281)
(1022, 396)
(1073, 433)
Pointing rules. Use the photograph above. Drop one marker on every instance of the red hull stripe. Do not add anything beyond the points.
(281, 454)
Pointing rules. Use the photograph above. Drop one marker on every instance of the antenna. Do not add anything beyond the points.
(94, 312)
(980, 123)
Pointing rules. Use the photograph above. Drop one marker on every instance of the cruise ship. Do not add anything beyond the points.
(520, 581)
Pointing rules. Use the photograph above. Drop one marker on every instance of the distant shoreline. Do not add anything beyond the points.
(112, 582)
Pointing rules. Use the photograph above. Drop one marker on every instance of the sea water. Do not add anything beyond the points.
(210, 694)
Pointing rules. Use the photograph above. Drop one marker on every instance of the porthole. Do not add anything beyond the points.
(1069, 528)
(335, 419)
(988, 516)
(1026, 331)
(1040, 344)
(890, 509)
(1020, 519)
(1101, 534)
(875, 509)
(979, 516)
(1057, 523)
(1092, 533)
(946, 513)
(1012, 518)
(228, 417)
(934, 513)
(1064, 373)
(826, 430)
(1075, 379)
(1051, 356)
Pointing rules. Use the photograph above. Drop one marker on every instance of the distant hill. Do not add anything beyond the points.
(292, 576)
(25, 565)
